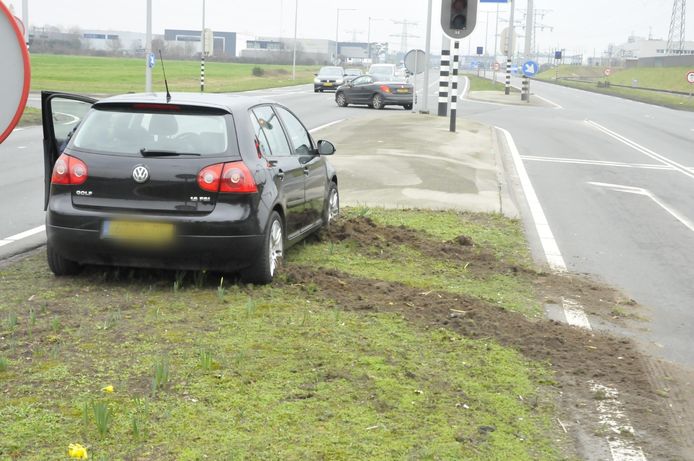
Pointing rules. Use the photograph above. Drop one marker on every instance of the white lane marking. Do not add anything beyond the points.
(22, 129)
(21, 147)
(556, 106)
(318, 128)
(621, 448)
(613, 417)
(549, 244)
(22, 235)
(578, 161)
(654, 155)
(646, 193)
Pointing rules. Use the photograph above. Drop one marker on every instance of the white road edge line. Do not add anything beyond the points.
(549, 244)
(22, 235)
(645, 192)
(18, 129)
(579, 161)
(610, 413)
(318, 128)
(654, 155)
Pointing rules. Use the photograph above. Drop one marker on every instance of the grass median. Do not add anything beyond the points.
(108, 75)
(297, 370)
(657, 78)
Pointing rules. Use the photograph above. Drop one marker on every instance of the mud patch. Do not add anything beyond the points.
(577, 356)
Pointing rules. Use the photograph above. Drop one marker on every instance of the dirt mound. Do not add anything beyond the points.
(576, 355)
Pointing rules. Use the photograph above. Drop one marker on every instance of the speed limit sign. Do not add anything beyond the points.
(608, 71)
(690, 76)
(14, 86)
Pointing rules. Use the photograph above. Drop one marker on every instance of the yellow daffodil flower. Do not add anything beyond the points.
(77, 451)
(108, 389)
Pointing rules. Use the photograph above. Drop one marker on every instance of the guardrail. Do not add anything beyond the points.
(602, 83)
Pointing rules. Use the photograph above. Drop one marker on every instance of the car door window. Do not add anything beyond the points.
(261, 139)
(271, 127)
(360, 81)
(67, 115)
(301, 141)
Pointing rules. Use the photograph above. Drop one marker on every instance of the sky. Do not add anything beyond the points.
(584, 26)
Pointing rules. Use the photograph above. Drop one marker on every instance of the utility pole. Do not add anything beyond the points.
(25, 20)
(496, 43)
(404, 35)
(529, 29)
(148, 49)
(678, 24)
(427, 52)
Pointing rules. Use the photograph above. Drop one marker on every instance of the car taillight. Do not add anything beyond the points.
(233, 177)
(69, 171)
(385, 88)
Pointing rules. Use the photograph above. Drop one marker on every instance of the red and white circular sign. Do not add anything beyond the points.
(690, 76)
(14, 85)
(607, 72)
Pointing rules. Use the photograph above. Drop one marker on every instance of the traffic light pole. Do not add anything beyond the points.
(510, 50)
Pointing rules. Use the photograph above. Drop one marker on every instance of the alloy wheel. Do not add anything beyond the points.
(276, 246)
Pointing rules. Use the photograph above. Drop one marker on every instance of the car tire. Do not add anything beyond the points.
(341, 100)
(407, 106)
(332, 205)
(377, 102)
(61, 266)
(270, 259)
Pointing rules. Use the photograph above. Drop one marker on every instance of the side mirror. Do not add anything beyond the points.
(325, 148)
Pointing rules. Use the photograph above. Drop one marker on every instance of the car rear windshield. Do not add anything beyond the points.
(331, 71)
(131, 132)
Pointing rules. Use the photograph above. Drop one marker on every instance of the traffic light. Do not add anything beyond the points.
(458, 17)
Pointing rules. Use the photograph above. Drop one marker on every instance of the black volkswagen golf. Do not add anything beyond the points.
(216, 182)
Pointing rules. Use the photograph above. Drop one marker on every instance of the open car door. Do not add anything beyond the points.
(61, 115)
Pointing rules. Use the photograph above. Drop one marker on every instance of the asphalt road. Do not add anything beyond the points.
(21, 177)
(616, 182)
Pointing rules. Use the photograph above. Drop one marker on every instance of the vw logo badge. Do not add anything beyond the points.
(140, 174)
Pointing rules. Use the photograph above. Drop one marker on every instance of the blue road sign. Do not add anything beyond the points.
(151, 59)
(530, 68)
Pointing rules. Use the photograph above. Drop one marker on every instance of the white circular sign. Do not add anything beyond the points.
(16, 73)
(416, 61)
(690, 76)
(608, 72)
(497, 66)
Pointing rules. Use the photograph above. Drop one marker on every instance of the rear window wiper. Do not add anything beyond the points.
(164, 153)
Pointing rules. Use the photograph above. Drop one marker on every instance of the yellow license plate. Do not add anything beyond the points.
(327, 84)
(403, 90)
(137, 231)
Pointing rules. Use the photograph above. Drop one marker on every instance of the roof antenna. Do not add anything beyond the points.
(168, 95)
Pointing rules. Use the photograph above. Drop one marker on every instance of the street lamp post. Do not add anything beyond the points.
(296, 17)
(148, 49)
(337, 31)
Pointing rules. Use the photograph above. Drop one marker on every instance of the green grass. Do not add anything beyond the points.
(31, 116)
(100, 75)
(484, 84)
(263, 372)
(672, 78)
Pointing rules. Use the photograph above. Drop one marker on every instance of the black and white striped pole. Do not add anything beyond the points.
(454, 83)
(444, 76)
(525, 90)
(202, 54)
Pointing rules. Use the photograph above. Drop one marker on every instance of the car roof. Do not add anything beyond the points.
(227, 102)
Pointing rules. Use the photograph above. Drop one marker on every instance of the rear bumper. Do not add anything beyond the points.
(187, 252)
(397, 99)
(227, 239)
(326, 86)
